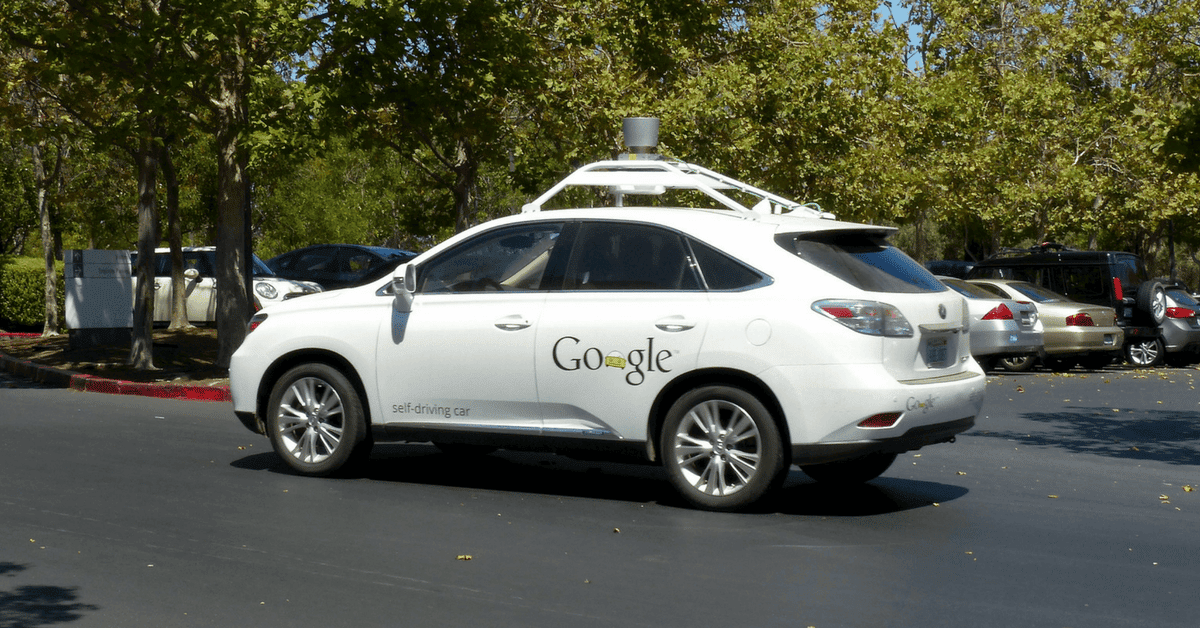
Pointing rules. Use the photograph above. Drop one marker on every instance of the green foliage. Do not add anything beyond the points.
(23, 289)
(1000, 124)
(18, 216)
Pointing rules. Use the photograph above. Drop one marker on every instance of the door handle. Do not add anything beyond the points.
(515, 322)
(674, 324)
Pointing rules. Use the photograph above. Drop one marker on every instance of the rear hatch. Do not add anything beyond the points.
(922, 323)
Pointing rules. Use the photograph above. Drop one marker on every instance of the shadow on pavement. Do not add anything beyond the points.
(548, 474)
(38, 605)
(1167, 436)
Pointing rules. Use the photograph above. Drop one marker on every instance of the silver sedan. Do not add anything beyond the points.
(1000, 328)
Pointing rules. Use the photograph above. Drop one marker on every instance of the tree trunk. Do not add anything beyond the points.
(41, 184)
(141, 353)
(466, 171)
(233, 301)
(179, 317)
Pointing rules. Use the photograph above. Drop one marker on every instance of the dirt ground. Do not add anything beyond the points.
(185, 357)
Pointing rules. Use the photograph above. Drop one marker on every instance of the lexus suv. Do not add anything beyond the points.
(721, 338)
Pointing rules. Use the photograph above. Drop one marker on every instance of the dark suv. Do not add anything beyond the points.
(1117, 280)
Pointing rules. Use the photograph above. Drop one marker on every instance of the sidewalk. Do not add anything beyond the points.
(60, 378)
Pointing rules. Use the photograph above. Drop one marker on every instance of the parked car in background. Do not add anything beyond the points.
(335, 265)
(1000, 328)
(1074, 334)
(1179, 344)
(725, 345)
(1110, 278)
(950, 267)
(200, 269)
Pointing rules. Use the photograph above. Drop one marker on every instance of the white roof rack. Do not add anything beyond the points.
(657, 176)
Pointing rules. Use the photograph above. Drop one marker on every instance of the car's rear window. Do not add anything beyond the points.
(967, 289)
(864, 260)
(1181, 297)
(1037, 293)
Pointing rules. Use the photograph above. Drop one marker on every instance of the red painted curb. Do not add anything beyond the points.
(89, 383)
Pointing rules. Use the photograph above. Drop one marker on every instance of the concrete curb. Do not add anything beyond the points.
(88, 383)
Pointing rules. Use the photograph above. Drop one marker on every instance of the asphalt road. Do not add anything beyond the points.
(1065, 506)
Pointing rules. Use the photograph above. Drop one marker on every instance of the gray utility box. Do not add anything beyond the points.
(99, 289)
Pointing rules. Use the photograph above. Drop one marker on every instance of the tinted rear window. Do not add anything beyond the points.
(863, 260)
(1037, 293)
(967, 289)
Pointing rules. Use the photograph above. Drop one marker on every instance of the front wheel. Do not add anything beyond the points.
(315, 420)
(850, 472)
(721, 448)
(1147, 352)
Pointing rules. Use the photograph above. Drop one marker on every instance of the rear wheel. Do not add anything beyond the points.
(849, 472)
(721, 448)
(315, 420)
(1145, 352)
(1018, 364)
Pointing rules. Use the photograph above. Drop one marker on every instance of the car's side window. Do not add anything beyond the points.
(515, 258)
(355, 261)
(317, 260)
(624, 256)
(722, 272)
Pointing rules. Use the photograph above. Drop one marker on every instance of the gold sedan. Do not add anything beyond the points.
(1074, 333)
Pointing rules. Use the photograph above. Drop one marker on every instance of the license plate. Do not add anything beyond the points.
(935, 351)
(1109, 340)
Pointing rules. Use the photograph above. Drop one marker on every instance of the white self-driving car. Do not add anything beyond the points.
(725, 340)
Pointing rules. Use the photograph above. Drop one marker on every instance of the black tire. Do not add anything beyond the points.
(722, 448)
(1152, 301)
(1018, 364)
(1145, 352)
(850, 472)
(316, 422)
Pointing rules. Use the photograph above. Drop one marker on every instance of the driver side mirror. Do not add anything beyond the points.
(404, 284)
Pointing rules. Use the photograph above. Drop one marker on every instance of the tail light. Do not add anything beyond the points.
(255, 322)
(1120, 294)
(1080, 320)
(1180, 312)
(999, 313)
(866, 317)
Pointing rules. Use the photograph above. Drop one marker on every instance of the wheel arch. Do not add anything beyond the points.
(310, 356)
(707, 377)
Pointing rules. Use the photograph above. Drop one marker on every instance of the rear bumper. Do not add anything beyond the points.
(914, 438)
(999, 342)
